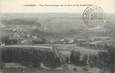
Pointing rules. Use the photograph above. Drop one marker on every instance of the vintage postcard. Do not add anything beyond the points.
(57, 36)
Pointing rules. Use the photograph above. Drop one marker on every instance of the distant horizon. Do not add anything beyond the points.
(51, 21)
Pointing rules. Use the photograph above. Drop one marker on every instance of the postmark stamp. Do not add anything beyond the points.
(93, 16)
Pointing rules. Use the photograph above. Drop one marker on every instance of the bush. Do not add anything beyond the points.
(75, 57)
(106, 60)
(29, 56)
(7, 41)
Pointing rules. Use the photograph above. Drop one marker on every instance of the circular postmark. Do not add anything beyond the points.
(93, 16)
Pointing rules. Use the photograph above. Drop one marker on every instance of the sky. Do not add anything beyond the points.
(17, 6)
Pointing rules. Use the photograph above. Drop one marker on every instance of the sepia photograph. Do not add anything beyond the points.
(57, 43)
(57, 38)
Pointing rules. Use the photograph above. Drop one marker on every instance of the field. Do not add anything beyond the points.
(28, 71)
(35, 70)
(62, 47)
